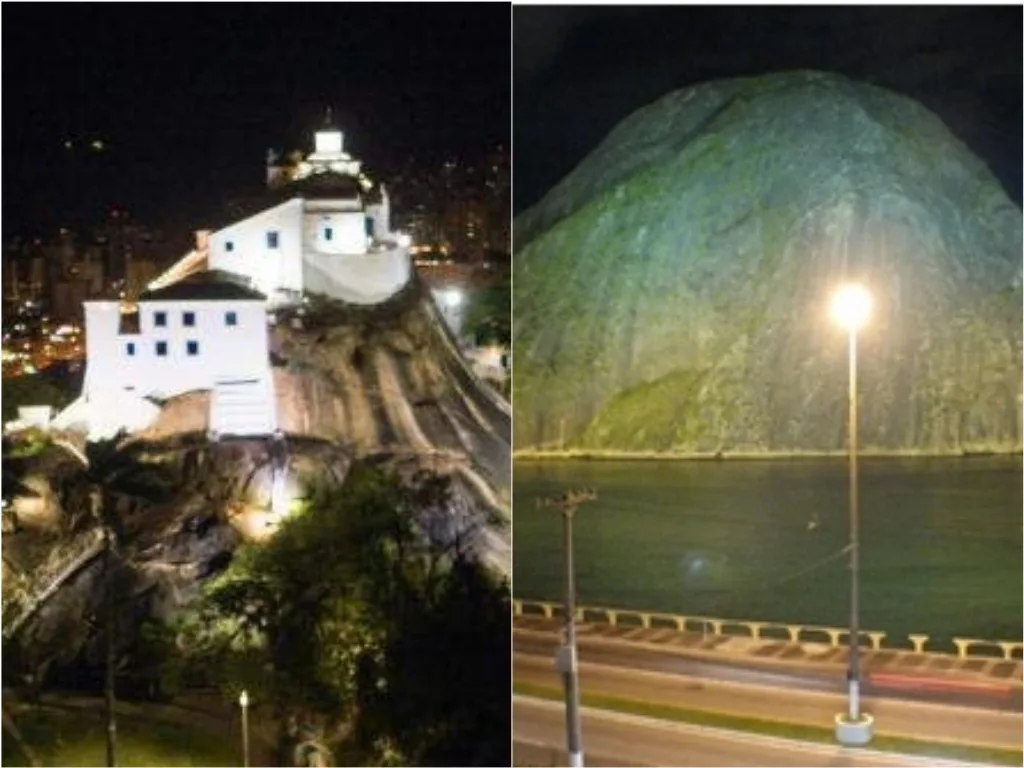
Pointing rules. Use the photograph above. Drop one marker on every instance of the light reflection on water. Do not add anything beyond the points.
(941, 547)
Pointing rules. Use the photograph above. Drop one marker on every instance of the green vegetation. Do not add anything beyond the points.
(489, 314)
(775, 727)
(392, 646)
(25, 444)
(76, 736)
(33, 389)
(366, 618)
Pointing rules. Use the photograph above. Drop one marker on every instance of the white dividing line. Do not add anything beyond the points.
(733, 736)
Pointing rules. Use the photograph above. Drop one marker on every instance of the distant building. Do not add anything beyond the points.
(67, 297)
(459, 210)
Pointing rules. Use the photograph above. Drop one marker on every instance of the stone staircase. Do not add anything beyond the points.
(243, 407)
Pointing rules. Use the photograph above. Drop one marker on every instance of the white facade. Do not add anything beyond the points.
(180, 346)
(227, 338)
(329, 238)
(266, 248)
(314, 246)
(341, 247)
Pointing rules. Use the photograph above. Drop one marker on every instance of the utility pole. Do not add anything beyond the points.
(566, 660)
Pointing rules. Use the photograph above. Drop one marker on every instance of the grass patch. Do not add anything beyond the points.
(78, 737)
(775, 728)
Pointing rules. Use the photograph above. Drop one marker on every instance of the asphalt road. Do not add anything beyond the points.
(610, 738)
(619, 653)
(615, 674)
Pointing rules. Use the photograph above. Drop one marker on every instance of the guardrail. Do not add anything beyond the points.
(835, 637)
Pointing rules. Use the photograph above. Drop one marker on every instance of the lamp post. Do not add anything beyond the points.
(243, 701)
(566, 660)
(851, 307)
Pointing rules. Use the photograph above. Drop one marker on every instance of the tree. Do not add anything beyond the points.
(354, 614)
(444, 698)
(489, 314)
(32, 389)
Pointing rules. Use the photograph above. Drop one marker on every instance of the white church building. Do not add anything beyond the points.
(203, 324)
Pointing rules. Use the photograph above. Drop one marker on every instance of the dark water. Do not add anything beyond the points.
(941, 541)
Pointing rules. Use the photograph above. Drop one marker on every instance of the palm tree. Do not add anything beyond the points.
(113, 473)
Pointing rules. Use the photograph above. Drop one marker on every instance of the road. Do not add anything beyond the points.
(610, 738)
(1000, 696)
(646, 675)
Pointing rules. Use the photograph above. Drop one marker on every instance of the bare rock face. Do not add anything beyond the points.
(671, 293)
(183, 414)
(378, 379)
(389, 379)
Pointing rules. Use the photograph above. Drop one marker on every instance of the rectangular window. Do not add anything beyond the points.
(328, 233)
(193, 348)
(161, 349)
(188, 319)
(129, 349)
(160, 319)
(230, 318)
(272, 239)
(229, 246)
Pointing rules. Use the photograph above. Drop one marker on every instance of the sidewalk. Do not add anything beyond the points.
(892, 665)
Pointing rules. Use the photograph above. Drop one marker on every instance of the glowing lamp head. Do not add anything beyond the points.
(851, 307)
(243, 699)
(452, 297)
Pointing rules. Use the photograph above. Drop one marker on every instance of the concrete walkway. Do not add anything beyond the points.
(890, 664)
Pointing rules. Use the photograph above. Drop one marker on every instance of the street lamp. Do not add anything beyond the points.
(566, 659)
(243, 701)
(851, 307)
(452, 297)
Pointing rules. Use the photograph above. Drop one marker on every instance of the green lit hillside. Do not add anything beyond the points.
(671, 292)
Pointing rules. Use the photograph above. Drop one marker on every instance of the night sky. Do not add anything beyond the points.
(188, 98)
(579, 71)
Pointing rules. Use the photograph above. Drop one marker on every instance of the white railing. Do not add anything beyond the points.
(835, 637)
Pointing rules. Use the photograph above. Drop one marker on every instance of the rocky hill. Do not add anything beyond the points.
(378, 379)
(671, 292)
(380, 385)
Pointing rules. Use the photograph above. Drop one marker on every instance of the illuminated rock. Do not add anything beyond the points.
(671, 293)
